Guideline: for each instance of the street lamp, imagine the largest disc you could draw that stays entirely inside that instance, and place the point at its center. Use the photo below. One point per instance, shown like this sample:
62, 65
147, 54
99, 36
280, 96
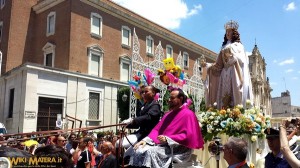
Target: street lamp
124, 97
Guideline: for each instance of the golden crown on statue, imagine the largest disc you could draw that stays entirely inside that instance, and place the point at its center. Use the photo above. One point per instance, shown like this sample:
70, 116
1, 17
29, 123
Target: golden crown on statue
231, 25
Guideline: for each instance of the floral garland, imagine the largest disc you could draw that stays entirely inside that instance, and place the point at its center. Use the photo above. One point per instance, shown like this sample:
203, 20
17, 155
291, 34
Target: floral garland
234, 122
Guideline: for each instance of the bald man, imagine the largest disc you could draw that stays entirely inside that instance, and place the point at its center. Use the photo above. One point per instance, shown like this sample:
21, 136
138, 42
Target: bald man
61, 141
108, 160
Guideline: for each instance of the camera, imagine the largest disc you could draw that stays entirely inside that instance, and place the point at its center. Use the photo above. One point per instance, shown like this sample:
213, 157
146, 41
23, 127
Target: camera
215, 146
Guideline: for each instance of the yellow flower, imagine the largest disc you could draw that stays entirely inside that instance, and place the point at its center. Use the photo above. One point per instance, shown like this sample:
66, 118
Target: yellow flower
223, 112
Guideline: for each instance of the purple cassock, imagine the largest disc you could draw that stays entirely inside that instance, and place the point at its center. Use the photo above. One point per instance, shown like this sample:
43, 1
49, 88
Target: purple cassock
181, 126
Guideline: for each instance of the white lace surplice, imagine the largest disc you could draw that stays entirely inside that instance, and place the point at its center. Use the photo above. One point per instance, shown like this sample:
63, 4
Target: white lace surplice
159, 156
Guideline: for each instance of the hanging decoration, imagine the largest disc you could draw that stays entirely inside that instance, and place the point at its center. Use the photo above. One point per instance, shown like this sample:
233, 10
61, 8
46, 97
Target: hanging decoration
173, 74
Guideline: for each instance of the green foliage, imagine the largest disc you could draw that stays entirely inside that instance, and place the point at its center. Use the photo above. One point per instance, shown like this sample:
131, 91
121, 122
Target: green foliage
202, 105
165, 101
123, 106
192, 106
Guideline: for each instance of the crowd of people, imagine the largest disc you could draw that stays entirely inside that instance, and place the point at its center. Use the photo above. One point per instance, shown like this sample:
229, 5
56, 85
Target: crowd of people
84, 150
166, 138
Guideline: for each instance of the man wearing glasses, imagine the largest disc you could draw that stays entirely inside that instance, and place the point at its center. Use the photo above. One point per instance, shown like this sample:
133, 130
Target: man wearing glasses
61, 142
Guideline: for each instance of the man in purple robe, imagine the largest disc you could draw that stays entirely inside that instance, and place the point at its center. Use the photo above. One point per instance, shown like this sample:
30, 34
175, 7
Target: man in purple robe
174, 136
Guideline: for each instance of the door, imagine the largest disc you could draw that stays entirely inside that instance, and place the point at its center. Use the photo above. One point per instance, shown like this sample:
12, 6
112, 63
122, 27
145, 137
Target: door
47, 113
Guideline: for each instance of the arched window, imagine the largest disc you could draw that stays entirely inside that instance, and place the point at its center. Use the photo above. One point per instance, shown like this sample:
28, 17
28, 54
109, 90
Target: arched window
49, 54
95, 55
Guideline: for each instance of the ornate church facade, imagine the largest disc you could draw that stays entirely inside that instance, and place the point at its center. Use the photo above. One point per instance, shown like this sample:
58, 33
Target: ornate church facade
260, 83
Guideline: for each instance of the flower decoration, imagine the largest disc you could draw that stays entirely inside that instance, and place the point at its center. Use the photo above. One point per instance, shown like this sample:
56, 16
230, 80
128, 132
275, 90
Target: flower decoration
233, 122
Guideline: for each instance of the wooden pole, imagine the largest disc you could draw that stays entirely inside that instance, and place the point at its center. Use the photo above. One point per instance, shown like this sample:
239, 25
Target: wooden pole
48, 119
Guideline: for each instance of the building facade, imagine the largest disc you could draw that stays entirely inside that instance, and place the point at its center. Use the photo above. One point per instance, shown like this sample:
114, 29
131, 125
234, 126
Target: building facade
260, 83
67, 58
282, 105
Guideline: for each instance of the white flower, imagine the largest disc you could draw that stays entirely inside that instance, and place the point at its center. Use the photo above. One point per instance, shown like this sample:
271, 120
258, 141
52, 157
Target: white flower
253, 138
216, 122
258, 119
239, 106
228, 110
215, 104
209, 128
211, 117
249, 111
248, 102
268, 117
237, 125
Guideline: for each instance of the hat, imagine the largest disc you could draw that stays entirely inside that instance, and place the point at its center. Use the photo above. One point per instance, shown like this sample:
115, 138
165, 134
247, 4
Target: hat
271, 132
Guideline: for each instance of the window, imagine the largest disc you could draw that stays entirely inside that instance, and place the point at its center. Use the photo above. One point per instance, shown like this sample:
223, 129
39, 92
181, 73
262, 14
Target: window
2, 3
51, 23
149, 46
96, 25
1, 30
185, 60
169, 51
250, 68
49, 59
95, 61
126, 37
125, 68
11, 103
94, 104
49, 54
95, 64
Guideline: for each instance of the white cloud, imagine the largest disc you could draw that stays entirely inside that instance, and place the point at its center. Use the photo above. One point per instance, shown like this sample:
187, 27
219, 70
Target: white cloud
275, 61
273, 83
167, 13
295, 78
195, 10
298, 71
290, 7
288, 61
289, 70
247, 52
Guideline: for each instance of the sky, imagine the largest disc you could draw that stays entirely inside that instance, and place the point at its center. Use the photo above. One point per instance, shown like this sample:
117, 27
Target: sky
274, 25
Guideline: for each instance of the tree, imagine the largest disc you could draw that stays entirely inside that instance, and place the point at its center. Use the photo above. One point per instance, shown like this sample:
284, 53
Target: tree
123, 105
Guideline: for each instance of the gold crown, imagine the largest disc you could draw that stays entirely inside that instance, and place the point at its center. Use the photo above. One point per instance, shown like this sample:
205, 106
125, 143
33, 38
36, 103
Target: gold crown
231, 25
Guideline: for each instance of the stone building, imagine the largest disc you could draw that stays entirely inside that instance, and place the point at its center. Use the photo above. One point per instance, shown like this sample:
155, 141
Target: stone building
66, 59
282, 106
260, 83
295, 111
